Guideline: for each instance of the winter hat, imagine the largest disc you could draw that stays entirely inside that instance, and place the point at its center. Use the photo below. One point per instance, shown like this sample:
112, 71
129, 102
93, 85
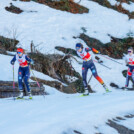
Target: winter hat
79, 45
130, 48
20, 50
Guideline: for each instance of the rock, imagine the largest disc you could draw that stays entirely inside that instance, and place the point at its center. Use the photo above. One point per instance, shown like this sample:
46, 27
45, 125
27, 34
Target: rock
115, 49
66, 50
64, 5
7, 44
7, 90
13, 9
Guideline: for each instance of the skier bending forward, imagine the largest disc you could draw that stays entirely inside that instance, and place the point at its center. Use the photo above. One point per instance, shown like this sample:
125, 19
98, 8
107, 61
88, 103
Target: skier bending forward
88, 64
129, 58
23, 72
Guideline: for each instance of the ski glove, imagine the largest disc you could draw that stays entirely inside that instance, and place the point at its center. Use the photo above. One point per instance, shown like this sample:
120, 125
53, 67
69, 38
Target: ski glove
127, 65
12, 62
98, 52
32, 62
87, 49
95, 51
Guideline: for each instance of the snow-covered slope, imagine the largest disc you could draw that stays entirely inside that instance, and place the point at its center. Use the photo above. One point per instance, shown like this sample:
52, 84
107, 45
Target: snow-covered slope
56, 28
59, 113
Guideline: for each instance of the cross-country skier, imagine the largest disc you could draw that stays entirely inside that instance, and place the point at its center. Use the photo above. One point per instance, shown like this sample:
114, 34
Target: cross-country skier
88, 64
23, 71
129, 59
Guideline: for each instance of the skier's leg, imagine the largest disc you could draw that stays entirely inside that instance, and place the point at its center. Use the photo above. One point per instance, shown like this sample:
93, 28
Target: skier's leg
133, 77
20, 84
84, 76
26, 78
20, 76
129, 74
95, 74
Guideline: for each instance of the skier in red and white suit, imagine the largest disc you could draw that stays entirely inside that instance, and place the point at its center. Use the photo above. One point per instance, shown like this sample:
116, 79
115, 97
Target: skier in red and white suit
88, 64
129, 58
23, 72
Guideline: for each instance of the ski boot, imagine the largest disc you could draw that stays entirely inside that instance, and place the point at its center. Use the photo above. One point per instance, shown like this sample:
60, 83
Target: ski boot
30, 95
125, 88
20, 96
86, 92
106, 88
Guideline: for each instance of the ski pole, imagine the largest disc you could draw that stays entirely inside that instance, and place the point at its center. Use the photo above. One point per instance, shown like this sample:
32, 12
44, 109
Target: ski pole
35, 78
90, 79
13, 78
13, 84
110, 59
102, 64
97, 52
37, 82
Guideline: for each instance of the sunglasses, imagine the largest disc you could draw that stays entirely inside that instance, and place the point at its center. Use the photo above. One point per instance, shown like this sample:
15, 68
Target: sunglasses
18, 52
129, 51
77, 48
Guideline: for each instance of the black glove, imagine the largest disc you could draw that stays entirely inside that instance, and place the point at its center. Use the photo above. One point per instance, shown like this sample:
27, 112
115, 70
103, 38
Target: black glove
12, 62
127, 65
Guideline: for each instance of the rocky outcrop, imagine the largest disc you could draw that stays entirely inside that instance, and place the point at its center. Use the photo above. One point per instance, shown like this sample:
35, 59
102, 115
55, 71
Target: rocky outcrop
54, 65
120, 128
7, 44
13, 9
66, 50
114, 49
7, 90
117, 7
58, 67
63, 5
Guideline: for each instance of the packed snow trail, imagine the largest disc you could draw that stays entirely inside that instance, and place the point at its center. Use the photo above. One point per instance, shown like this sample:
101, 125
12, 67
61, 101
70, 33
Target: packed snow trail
59, 113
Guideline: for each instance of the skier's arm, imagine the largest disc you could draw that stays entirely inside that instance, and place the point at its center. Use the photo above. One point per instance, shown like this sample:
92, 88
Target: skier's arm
88, 49
13, 60
92, 49
29, 60
126, 61
125, 58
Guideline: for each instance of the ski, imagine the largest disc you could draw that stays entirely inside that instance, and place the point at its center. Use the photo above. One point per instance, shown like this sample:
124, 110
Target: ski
20, 99
121, 88
107, 92
83, 95
125, 88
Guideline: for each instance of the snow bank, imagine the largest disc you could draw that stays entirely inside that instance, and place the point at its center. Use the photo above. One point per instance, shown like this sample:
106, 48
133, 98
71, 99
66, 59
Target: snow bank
56, 28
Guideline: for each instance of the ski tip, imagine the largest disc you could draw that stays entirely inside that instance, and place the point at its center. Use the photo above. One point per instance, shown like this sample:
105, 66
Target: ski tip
83, 95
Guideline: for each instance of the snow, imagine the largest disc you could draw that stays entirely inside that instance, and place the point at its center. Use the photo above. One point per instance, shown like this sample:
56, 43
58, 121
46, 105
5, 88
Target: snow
129, 7
129, 123
113, 2
105, 129
63, 113
60, 113
56, 28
